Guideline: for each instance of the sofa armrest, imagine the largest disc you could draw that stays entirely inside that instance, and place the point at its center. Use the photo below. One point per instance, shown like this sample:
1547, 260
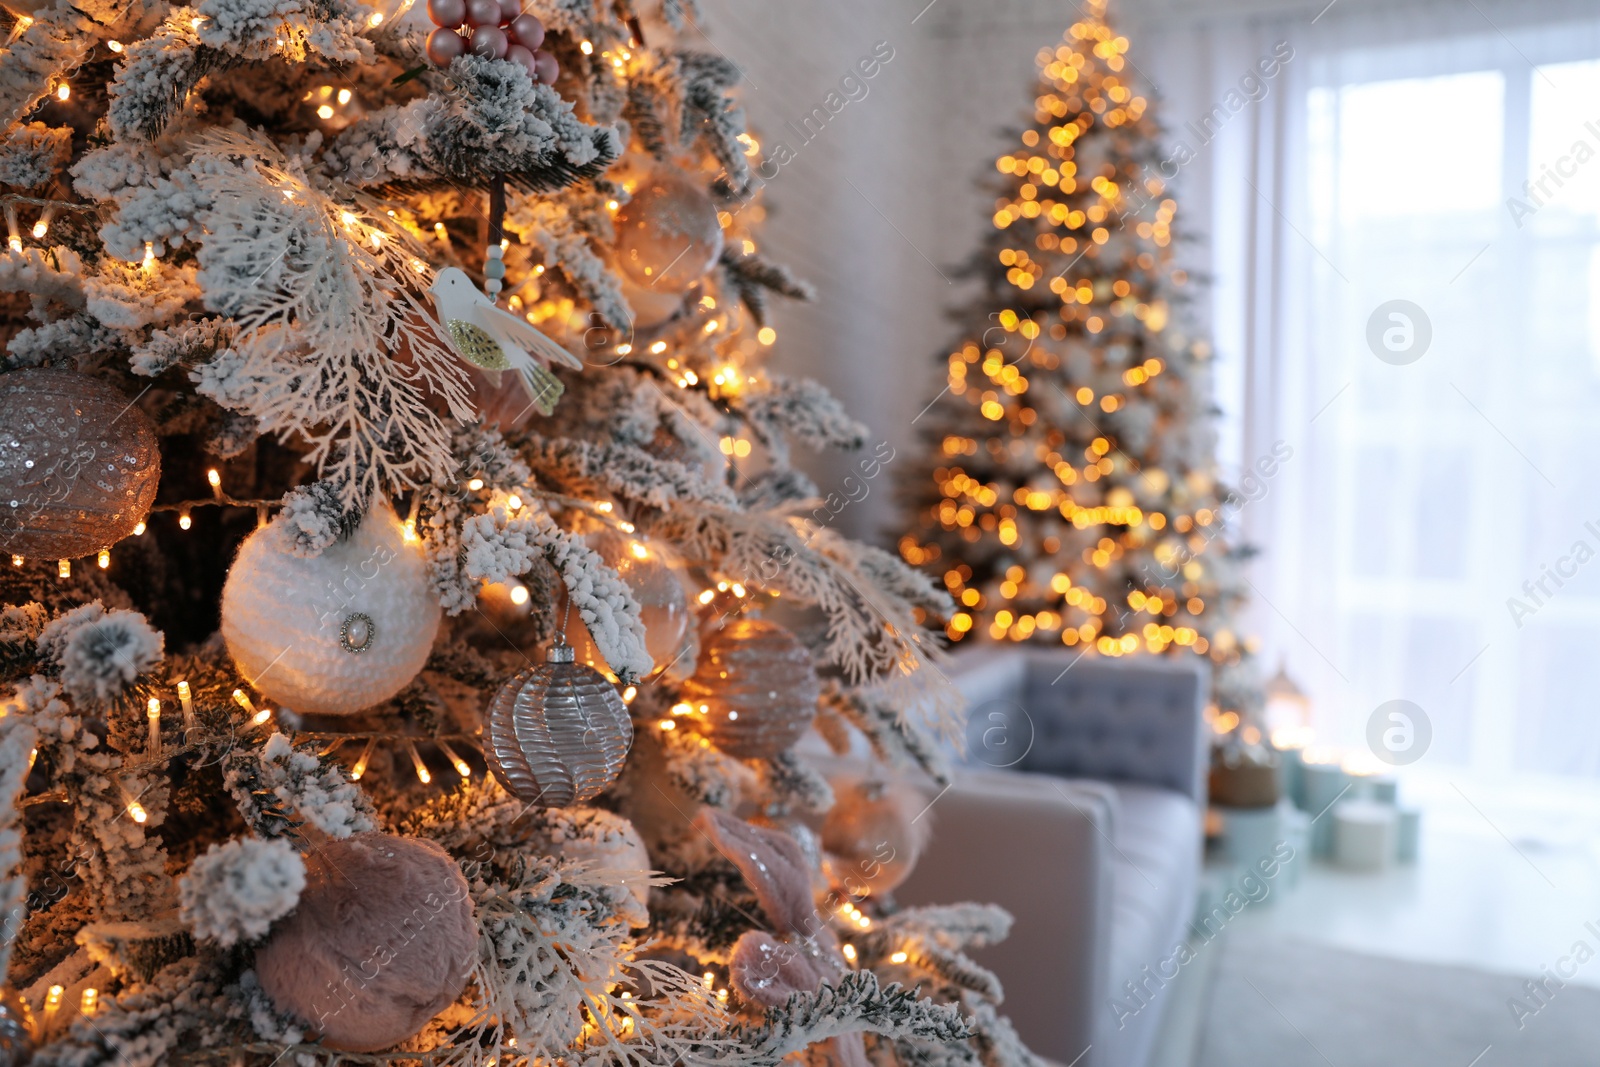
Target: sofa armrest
1038, 847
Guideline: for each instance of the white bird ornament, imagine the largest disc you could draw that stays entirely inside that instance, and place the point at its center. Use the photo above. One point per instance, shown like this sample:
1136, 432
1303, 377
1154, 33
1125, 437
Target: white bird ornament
497, 340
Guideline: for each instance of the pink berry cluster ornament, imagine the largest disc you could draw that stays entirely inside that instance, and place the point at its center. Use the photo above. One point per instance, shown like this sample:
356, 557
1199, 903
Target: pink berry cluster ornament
496, 29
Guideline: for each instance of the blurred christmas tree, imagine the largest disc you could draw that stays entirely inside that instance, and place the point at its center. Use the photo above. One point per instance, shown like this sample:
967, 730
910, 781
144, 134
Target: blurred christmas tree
410, 616
1071, 494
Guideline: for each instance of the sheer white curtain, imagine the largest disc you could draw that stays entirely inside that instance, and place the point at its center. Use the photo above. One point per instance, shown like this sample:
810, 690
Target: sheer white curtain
1435, 536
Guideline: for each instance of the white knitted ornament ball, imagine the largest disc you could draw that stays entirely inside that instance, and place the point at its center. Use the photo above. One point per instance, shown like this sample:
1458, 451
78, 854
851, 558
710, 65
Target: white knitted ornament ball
334, 633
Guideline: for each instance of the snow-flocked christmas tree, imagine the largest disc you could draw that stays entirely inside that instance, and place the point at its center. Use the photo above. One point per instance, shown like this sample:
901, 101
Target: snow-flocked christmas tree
405, 563
1069, 494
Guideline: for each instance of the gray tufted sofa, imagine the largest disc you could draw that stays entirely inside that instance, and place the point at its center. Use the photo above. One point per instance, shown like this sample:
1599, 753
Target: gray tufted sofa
1080, 811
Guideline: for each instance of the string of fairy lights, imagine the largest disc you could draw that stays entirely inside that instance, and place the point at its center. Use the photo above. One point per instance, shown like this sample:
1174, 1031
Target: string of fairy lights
1062, 205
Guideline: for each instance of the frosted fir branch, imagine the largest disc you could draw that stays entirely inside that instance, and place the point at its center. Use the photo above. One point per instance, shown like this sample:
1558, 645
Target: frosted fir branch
122, 168
551, 955
186, 344
65, 342
56, 43
276, 782
485, 453
776, 488
20, 625
127, 296
599, 596
955, 926
680, 13
869, 635
950, 971
324, 298
894, 740
805, 410
136, 950
122, 862
32, 155
157, 74
50, 279
923, 1054
629, 405
231, 435
568, 250
794, 784
995, 1039
753, 276
495, 121
627, 472
236, 890
855, 1004
167, 213
98, 653
18, 740
185, 1008
705, 774
900, 580
314, 516
710, 113
292, 29
650, 108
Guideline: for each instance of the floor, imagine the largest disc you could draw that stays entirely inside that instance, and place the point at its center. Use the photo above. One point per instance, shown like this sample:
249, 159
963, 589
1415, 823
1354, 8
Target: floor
1503, 883
1506, 881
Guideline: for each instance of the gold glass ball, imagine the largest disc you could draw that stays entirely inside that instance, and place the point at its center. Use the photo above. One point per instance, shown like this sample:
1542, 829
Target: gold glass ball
757, 687
668, 236
78, 464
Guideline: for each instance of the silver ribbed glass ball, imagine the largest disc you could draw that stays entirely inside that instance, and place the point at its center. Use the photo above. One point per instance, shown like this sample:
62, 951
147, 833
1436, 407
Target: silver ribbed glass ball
557, 733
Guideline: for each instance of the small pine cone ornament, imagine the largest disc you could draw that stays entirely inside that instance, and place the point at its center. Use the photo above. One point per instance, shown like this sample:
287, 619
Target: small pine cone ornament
335, 633
78, 464
755, 687
557, 733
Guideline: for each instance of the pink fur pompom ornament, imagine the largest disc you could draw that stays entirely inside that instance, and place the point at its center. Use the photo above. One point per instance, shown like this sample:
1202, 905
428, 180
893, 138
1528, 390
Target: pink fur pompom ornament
334, 633
383, 940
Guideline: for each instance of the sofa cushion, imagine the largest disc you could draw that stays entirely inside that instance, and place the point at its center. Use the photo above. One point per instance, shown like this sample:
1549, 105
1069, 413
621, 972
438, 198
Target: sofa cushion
1155, 875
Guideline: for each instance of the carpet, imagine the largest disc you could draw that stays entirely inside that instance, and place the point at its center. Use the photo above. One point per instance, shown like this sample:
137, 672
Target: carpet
1292, 1003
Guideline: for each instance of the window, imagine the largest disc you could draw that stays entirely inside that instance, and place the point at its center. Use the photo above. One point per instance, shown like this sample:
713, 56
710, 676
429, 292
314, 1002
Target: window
1440, 541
